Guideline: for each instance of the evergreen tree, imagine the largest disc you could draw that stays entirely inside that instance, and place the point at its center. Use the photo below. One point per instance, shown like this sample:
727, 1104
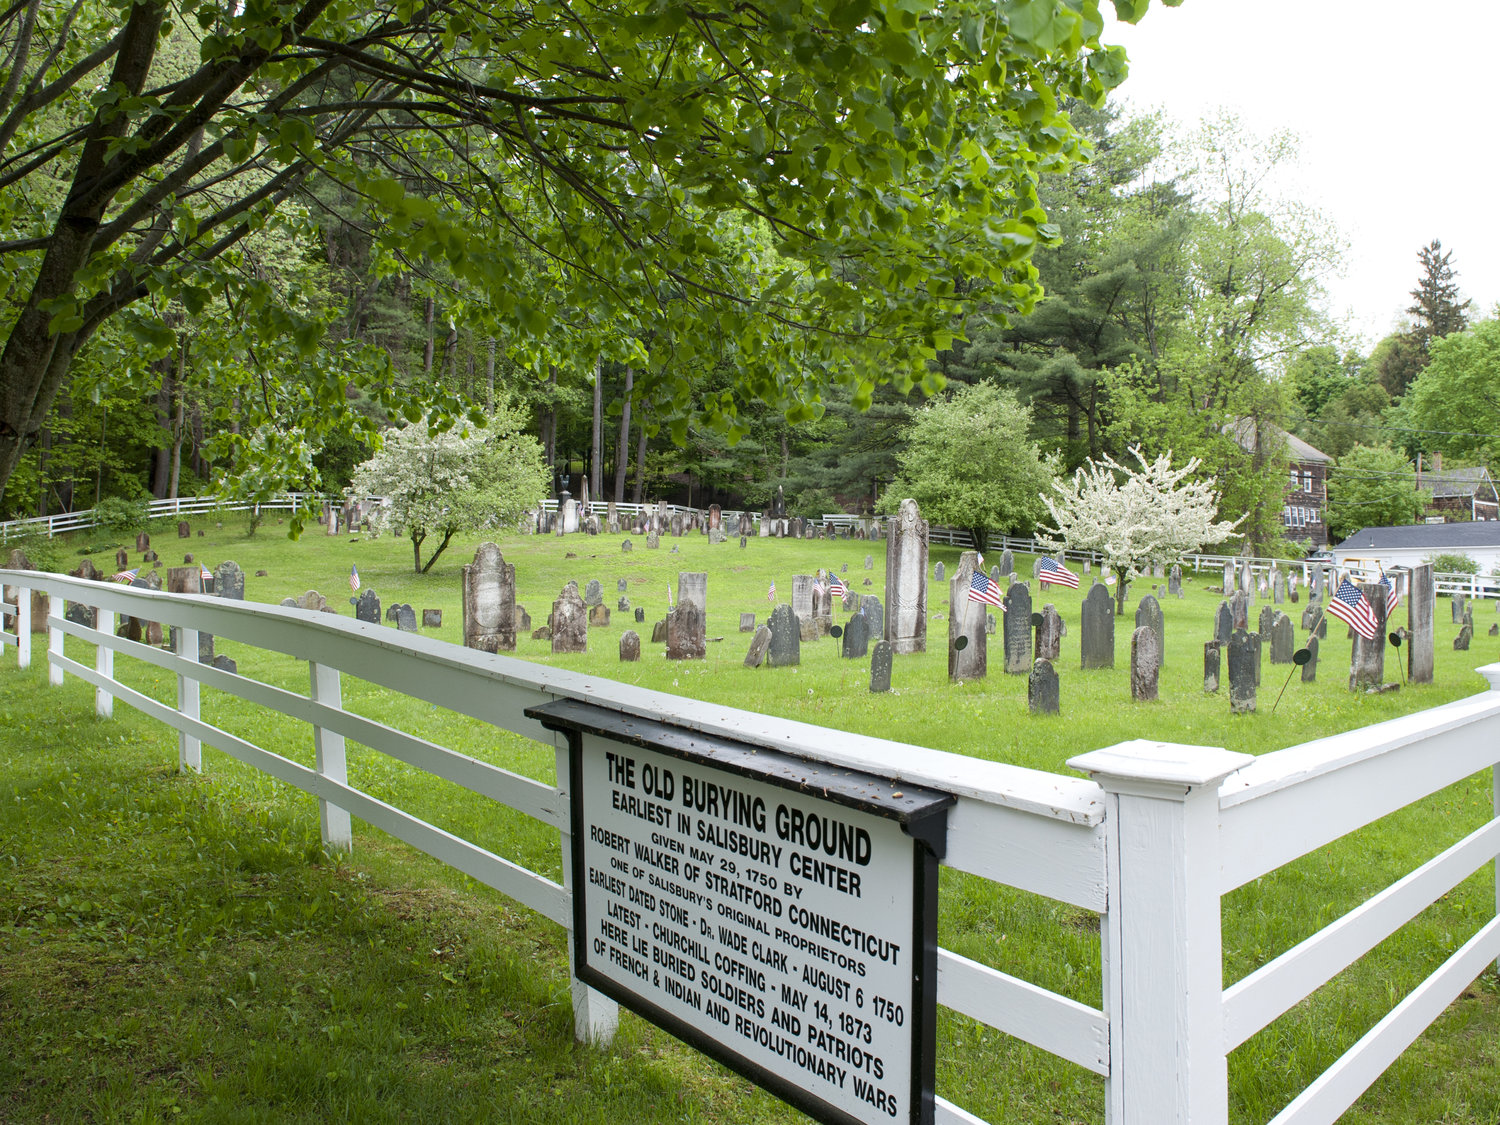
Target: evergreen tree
1436, 312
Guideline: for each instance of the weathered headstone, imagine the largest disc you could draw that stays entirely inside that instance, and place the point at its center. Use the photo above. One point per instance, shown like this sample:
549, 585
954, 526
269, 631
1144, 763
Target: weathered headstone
659, 632
1421, 603
1495, 629
626, 547
1007, 563
622, 605
1049, 634
1174, 581
183, 530
405, 617
786, 638
432, 619
822, 609
1310, 669
88, 616
1015, 629
142, 542
1097, 643
1278, 585
598, 617
692, 586
874, 613
1211, 665
906, 580
489, 602
746, 527
1223, 623
1266, 623
1311, 614
1239, 602
1283, 640
593, 593
1148, 613
1145, 664
938, 573
747, 623
122, 559
1043, 691
1457, 604
967, 644
802, 604
759, 643
640, 615
630, 645
880, 666
687, 637
1244, 656
1465, 635
653, 538
367, 606
1367, 657
869, 562
569, 622
856, 639
229, 581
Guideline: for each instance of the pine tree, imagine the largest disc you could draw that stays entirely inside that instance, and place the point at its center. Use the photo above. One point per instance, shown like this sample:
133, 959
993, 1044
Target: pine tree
1437, 311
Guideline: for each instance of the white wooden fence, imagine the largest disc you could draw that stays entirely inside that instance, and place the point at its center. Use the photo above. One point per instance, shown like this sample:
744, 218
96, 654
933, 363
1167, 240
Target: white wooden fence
1151, 844
64, 522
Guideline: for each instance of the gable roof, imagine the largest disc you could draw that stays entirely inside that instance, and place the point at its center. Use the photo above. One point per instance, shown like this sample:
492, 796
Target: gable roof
1458, 482
1425, 536
1242, 430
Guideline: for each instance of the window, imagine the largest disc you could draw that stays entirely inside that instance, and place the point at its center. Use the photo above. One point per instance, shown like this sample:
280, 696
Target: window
1307, 480
1294, 478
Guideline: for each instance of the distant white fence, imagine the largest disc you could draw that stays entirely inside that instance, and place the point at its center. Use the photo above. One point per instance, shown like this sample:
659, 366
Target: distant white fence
1151, 844
64, 522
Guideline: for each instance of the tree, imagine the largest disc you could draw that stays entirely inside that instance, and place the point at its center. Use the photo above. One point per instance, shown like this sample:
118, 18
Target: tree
1134, 517
1437, 311
1457, 396
969, 463
1372, 486
562, 165
444, 482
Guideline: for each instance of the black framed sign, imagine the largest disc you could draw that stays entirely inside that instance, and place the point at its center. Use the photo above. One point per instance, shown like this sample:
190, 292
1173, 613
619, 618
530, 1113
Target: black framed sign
777, 913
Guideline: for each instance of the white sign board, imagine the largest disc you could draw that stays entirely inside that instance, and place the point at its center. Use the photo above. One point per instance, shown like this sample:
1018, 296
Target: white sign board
777, 914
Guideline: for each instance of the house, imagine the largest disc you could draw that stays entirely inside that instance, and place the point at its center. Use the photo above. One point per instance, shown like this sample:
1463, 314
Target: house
1304, 511
1459, 494
1372, 548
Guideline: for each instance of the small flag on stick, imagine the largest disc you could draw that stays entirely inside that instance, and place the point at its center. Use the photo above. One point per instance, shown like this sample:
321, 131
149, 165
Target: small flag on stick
836, 585
1052, 571
771, 592
1392, 599
126, 576
354, 578
981, 589
1350, 607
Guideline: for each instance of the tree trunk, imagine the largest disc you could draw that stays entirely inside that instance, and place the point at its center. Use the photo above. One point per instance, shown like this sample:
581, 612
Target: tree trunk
596, 449
161, 458
622, 451
549, 429
489, 377
178, 426
638, 493
427, 353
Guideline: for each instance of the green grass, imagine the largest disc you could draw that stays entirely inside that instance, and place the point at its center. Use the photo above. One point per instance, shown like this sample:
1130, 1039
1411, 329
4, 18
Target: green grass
180, 947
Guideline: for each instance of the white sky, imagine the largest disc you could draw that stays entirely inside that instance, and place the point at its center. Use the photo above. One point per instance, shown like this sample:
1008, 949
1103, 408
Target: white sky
1395, 104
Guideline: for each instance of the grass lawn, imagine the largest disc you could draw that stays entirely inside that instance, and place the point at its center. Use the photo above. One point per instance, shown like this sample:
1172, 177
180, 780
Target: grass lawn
180, 947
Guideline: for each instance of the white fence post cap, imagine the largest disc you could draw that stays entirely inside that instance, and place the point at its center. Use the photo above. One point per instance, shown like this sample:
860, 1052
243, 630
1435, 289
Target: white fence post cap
1160, 769
1491, 672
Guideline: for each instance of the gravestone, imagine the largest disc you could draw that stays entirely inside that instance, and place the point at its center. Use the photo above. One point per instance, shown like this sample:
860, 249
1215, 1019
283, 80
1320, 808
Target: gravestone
432, 619
593, 593
1007, 563
747, 623
1148, 614
989, 625
786, 638
612, 519
968, 660
938, 573
1310, 669
229, 581
598, 617
874, 613
569, 511
747, 526
569, 622
906, 580
640, 615
88, 616
659, 632
1015, 629
797, 527
869, 562
1367, 658
1421, 604
489, 602
1097, 644
758, 646
1311, 613
1211, 665
1267, 622
523, 619
1043, 691
367, 606
622, 605
406, 617
142, 542
1278, 585
802, 604
130, 629
626, 547
764, 531
1049, 634
856, 639
1239, 602
187, 558
1457, 605
1465, 635
743, 542
1174, 582
1229, 579
1283, 641
1145, 664
90, 573
122, 559
622, 585
686, 631
880, 666
630, 645
1495, 630
1223, 623
653, 539
183, 530
692, 586
1244, 656
997, 579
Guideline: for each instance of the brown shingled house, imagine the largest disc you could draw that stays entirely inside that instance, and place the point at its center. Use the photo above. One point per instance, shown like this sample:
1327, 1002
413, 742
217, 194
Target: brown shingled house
1458, 494
1304, 513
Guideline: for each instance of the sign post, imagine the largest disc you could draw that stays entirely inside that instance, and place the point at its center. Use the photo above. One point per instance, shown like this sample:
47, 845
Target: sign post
777, 913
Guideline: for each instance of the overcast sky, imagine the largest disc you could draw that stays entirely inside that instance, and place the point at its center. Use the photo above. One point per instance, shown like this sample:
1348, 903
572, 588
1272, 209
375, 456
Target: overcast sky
1395, 104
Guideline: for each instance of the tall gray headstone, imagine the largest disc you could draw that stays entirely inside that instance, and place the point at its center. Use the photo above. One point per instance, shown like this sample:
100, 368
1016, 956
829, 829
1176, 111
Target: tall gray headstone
1223, 623
880, 666
1266, 623
1244, 650
906, 580
593, 593
489, 601
405, 617
692, 586
687, 637
938, 573
855, 643
1148, 613
1421, 604
1007, 563
1015, 630
1211, 665
1458, 603
1174, 581
1049, 634
1283, 640
1310, 669
802, 597
1043, 692
1278, 585
1239, 602
229, 581
967, 660
1367, 657
874, 613
1145, 664
786, 638
570, 622
1097, 643
758, 646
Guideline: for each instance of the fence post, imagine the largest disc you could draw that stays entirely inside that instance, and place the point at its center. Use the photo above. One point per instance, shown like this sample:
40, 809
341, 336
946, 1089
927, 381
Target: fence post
55, 609
1163, 954
327, 689
595, 1015
189, 749
23, 627
104, 662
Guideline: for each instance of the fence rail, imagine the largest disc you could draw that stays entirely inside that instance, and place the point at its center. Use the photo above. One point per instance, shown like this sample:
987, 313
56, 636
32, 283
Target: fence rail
1151, 843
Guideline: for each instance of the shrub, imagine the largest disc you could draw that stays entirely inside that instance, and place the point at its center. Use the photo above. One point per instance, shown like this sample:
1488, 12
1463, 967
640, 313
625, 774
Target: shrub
116, 514
1452, 564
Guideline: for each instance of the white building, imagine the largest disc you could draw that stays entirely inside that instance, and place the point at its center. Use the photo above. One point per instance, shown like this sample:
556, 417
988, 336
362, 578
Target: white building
1387, 547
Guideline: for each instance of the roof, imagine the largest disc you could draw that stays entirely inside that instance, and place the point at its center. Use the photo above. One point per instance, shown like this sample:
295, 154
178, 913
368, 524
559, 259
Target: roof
1243, 432
1458, 482
1425, 536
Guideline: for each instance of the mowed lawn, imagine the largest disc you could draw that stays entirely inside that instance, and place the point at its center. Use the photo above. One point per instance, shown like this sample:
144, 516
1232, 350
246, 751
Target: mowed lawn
181, 947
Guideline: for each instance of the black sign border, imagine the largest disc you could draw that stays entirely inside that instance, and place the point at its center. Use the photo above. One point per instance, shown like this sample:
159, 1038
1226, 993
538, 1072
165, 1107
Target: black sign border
921, 813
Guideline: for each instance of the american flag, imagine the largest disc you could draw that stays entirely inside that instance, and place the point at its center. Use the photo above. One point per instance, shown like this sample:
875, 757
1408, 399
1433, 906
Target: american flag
771, 592
836, 585
1350, 607
204, 573
1054, 572
1392, 599
981, 589
126, 576
354, 578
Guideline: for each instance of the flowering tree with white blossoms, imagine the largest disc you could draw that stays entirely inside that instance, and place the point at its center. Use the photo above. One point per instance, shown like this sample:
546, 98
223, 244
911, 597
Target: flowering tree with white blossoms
1135, 518
449, 482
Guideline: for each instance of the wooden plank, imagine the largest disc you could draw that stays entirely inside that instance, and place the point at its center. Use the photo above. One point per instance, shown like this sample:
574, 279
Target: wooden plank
1252, 1003
1338, 1087
1054, 1023
946, 1113
1057, 858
